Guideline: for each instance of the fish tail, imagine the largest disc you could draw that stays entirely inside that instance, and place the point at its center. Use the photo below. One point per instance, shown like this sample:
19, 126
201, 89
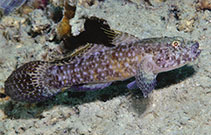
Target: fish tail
28, 84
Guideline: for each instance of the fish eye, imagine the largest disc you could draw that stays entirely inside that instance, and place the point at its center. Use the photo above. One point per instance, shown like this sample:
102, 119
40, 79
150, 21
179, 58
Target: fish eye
176, 43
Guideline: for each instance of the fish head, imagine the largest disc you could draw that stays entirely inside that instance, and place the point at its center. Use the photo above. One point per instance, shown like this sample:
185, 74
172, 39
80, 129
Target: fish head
169, 53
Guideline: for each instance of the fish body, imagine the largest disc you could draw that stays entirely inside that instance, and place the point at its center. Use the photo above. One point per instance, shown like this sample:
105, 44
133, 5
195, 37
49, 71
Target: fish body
99, 66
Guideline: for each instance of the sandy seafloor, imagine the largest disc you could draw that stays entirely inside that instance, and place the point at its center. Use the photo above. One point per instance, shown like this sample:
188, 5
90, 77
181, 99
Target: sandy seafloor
180, 105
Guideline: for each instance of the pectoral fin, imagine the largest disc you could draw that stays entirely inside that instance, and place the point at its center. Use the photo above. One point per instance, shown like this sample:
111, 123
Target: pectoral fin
146, 82
145, 78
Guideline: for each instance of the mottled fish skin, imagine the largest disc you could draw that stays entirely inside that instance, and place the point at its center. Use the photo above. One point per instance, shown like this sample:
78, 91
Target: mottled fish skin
144, 59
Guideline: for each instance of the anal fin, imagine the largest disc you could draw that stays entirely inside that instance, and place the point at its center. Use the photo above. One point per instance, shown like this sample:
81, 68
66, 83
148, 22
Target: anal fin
90, 87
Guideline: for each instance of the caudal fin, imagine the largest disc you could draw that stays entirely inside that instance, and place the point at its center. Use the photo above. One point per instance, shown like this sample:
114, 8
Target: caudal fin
27, 83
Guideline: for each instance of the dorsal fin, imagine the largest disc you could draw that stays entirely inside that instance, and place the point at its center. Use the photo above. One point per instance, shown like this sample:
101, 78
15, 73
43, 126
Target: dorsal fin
120, 38
117, 38
85, 50
81, 50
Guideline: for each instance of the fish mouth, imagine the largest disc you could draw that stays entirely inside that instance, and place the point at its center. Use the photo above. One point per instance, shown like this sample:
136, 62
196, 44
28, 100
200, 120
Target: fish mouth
195, 51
